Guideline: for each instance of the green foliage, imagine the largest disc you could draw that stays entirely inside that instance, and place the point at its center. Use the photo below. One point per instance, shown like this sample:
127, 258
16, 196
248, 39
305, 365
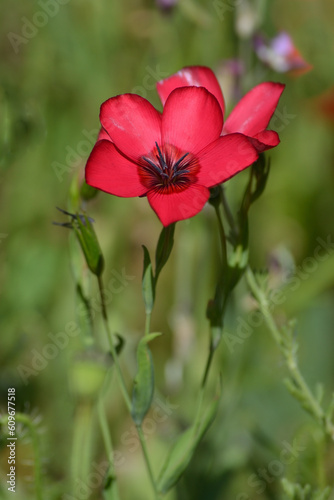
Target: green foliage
298, 492
143, 388
183, 450
51, 89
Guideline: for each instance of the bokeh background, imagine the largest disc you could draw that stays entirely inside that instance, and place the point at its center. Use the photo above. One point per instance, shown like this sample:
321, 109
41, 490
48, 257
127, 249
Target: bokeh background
55, 71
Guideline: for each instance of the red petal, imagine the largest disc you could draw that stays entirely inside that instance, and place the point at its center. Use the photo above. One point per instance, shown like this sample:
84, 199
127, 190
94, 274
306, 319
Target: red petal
265, 140
224, 158
253, 112
180, 205
108, 170
196, 76
191, 119
103, 135
132, 123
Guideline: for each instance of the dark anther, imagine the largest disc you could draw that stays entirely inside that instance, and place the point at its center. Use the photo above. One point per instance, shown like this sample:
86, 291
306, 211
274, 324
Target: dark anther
150, 162
181, 172
179, 161
162, 160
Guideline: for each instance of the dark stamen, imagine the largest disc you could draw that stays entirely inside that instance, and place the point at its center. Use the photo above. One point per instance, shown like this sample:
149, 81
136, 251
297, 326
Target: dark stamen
162, 160
179, 161
156, 168
176, 174
150, 162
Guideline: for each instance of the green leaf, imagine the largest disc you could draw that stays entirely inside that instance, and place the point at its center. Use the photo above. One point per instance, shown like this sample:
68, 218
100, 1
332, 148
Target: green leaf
89, 244
143, 388
183, 450
164, 248
148, 282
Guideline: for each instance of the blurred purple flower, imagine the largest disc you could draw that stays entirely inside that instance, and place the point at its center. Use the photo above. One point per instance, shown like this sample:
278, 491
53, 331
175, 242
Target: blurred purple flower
166, 5
280, 54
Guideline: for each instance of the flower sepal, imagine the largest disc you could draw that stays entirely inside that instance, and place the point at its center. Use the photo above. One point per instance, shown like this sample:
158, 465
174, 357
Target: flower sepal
90, 246
86, 236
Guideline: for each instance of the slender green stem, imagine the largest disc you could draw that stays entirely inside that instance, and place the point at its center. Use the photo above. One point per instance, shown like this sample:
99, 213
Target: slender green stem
112, 348
220, 296
107, 442
104, 425
228, 213
264, 306
222, 236
82, 441
105, 429
312, 403
147, 462
147, 323
208, 365
86, 322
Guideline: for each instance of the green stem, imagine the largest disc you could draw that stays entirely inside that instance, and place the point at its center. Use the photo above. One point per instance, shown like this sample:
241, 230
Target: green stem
213, 346
222, 236
228, 213
147, 323
147, 462
264, 306
208, 365
112, 348
107, 444
87, 321
221, 294
82, 440
291, 362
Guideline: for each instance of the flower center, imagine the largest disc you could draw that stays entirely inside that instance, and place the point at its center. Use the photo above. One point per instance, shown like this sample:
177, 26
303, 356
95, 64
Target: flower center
168, 169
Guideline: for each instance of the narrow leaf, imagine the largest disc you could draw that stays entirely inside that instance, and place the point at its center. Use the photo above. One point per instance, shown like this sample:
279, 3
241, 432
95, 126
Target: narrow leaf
183, 450
164, 248
143, 388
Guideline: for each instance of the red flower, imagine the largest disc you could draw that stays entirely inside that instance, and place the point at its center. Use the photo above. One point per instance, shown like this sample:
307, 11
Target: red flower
172, 157
250, 116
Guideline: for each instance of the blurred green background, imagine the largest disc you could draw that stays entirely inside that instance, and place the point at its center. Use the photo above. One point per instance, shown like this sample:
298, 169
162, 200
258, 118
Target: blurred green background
53, 79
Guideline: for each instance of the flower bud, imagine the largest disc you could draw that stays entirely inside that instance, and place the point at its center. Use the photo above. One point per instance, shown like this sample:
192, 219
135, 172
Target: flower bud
89, 243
